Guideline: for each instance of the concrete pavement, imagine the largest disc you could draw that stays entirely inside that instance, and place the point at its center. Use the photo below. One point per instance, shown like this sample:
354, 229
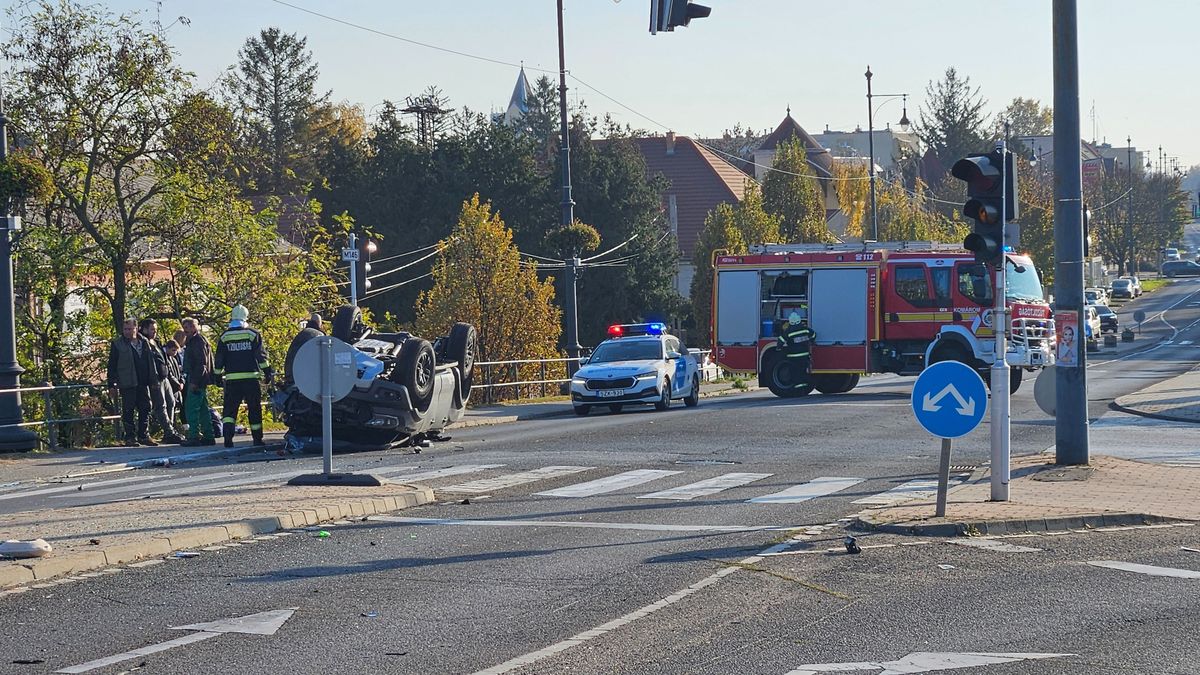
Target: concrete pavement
1176, 399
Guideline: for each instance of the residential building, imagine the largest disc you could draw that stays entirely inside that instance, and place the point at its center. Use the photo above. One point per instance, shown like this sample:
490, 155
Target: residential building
891, 146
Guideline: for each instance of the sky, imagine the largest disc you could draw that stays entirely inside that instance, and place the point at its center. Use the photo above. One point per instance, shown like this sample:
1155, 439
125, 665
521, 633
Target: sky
748, 62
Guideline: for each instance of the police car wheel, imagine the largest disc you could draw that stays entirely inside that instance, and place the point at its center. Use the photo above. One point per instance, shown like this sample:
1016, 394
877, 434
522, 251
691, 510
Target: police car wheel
415, 370
463, 345
583, 410
693, 398
664, 399
347, 324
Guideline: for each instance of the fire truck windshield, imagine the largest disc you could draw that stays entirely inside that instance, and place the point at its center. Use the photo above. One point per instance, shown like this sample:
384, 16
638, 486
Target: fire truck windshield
1022, 283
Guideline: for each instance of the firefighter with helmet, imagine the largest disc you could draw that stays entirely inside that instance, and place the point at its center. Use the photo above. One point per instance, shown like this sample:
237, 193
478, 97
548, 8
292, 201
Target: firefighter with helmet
241, 360
796, 344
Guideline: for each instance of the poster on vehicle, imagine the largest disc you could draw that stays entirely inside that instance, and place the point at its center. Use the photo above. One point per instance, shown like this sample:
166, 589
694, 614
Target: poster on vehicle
1067, 322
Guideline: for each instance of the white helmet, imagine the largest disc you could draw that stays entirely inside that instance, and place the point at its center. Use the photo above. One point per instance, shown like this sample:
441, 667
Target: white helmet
794, 317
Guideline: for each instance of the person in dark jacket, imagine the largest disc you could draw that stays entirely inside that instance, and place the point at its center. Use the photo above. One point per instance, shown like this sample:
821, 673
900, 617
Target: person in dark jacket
197, 376
162, 398
174, 379
796, 344
131, 370
241, 361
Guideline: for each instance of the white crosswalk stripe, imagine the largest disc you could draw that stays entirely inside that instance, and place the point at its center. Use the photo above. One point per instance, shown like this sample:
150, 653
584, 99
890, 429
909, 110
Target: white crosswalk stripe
513, 479
610, 484
707, 487
160, 481
440, 473
74, 487
817, 487
921, 488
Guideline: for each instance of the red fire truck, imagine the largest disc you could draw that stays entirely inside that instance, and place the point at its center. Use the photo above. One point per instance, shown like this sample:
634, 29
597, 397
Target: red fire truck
878, 308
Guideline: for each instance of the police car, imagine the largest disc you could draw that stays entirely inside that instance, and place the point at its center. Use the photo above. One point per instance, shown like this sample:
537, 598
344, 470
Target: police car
639, 363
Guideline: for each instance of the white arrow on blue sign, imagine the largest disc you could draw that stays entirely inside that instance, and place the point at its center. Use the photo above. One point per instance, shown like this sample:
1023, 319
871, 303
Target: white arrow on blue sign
949, 399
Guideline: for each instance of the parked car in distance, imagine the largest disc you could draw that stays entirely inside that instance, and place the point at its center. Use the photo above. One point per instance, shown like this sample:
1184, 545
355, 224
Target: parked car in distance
1095, 296
1122, 288
1170, 254
1180, 268
1092, 326
705, 366
1108, 318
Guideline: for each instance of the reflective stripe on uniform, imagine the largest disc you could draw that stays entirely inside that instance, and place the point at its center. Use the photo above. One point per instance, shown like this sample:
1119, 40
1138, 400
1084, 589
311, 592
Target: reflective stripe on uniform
241, 376
255, 427
235, 335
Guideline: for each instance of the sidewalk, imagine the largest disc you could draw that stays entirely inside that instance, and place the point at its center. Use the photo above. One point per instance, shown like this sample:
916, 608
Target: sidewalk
1176, 399
1044, 496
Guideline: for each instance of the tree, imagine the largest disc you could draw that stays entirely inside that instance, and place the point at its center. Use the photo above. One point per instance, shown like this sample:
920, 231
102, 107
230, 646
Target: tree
854, 195
575, 239
752, 220
1025, 117
790, 192
720, 233
275, 90
479, 278
908, 215
954, 122
96, 96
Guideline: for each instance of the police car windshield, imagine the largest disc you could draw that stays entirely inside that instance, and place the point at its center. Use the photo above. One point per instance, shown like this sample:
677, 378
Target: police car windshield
627, 350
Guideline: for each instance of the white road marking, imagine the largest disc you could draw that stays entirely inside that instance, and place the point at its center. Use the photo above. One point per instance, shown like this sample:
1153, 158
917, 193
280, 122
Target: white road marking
442, 473
133, 654
1146, 569
924, 662
610, 484
513, 479
1185, 342
220, 485
74, 487
993, 545
921, 488
598, 631
707, 487
817, 487
161, 482
648, 527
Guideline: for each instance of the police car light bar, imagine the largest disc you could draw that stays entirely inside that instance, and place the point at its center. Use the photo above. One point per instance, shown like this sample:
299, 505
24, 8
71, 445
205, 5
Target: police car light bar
631, 329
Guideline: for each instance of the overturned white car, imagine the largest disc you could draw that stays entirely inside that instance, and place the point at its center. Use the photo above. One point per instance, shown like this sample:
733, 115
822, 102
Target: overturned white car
407, 391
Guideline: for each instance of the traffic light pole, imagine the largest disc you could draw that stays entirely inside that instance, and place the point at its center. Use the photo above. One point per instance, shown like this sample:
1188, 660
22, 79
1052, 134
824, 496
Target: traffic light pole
1071, 424
352, 245
570, 311
1001, 422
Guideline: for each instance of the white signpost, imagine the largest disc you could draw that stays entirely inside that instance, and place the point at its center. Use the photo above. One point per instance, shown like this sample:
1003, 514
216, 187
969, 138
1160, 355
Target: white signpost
326, 372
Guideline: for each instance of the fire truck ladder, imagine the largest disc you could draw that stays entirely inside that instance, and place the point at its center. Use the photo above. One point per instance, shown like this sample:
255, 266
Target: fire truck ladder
856, 247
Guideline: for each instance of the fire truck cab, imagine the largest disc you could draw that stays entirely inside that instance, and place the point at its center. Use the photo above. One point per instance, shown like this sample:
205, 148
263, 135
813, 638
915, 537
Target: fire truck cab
879, 308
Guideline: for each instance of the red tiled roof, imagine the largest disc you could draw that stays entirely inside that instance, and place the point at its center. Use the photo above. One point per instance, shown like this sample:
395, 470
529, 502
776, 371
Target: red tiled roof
700, 180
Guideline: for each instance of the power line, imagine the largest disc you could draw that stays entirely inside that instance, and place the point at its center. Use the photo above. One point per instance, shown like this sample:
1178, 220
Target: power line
385, 289
407, 253
405, 265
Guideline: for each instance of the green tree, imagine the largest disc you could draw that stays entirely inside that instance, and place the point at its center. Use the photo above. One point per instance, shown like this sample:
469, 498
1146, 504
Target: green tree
274, 87
954, 123
720, 233
854, 195
1025, 117
908, 215
752, 220
479, 278
790, 192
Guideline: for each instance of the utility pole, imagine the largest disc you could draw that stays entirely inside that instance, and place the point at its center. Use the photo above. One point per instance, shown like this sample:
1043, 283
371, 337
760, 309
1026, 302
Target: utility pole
570, 312
1129, 211
12, 437
1071, 427
1001, 423
871, 150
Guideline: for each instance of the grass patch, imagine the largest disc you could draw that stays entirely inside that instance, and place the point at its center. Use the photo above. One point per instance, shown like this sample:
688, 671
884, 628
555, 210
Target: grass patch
1149, 285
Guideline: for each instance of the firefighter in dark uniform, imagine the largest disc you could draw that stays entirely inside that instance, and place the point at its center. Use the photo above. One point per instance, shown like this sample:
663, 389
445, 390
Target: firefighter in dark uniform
241, 360
796, 344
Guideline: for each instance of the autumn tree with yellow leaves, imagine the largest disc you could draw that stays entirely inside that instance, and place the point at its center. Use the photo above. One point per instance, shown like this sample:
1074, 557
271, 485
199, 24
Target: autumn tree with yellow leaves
479, 278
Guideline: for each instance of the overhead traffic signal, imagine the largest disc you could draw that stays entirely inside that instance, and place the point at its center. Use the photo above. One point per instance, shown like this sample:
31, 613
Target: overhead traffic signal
989, 191
665, 15
366, 248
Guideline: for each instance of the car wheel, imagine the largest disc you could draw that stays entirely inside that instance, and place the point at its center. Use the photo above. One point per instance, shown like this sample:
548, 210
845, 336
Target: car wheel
582, 410
463, 346
415, 370
664, 399
615, 407
294, 348
693, 398
347, 324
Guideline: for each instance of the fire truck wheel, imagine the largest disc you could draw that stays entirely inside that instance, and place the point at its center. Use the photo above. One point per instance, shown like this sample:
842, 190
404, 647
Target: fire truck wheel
950, 352
787, 381
664, 400
693, 398
1014, 379
839, 383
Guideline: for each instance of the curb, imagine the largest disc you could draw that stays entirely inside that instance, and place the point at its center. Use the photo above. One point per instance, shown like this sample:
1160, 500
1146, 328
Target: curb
74, 562
1157, 416
1010, 526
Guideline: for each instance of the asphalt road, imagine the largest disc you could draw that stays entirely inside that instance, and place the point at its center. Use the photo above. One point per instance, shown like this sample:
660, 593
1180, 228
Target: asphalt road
646, 581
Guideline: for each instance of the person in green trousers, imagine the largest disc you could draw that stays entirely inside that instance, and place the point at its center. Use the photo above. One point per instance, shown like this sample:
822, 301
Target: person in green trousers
197, 375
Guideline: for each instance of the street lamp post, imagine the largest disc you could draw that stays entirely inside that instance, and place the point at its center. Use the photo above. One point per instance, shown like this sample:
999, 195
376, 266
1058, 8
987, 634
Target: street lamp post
12, 437
871, 143
1129, 210
570, 309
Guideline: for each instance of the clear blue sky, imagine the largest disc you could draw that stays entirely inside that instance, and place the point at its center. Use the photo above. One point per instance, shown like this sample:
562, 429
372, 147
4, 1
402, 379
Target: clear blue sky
745, 63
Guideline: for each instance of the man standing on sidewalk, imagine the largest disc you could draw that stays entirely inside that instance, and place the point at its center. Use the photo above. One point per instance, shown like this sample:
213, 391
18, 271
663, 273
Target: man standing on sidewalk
131, 369
197, 375
241, 361
162, 397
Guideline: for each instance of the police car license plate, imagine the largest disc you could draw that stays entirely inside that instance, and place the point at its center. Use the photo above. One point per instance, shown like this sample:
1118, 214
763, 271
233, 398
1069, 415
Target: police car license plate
611, 393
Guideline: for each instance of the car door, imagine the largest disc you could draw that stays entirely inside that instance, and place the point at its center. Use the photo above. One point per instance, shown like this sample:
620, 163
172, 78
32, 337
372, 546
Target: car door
679, 369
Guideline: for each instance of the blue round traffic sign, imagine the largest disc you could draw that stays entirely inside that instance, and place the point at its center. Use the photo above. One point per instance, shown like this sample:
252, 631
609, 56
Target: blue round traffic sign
949, 399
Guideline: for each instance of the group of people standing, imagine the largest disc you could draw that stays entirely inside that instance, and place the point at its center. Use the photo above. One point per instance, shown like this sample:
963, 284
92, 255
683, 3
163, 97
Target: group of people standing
156, 379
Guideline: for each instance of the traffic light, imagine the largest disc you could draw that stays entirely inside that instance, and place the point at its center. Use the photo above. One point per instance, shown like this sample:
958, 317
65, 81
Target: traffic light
366, 247
986, 188
665, 15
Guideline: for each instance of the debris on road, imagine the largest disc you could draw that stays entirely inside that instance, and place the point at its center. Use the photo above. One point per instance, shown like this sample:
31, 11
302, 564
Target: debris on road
944, 566
852, 545
370, 615
322, 534
1191, 550
16, 548
187, 554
